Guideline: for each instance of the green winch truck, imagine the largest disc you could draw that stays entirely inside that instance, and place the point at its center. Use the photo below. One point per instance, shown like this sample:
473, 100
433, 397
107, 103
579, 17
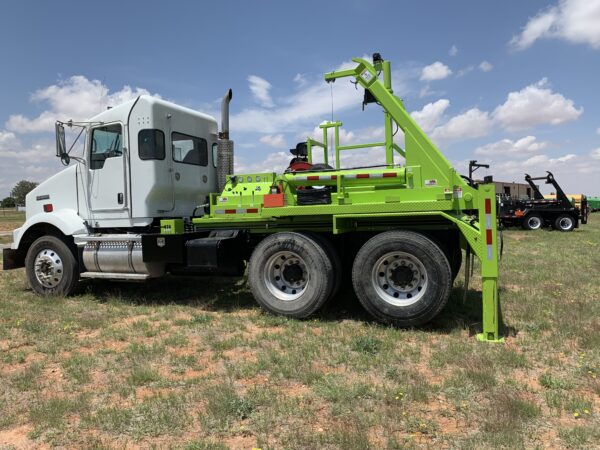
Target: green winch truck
155, 194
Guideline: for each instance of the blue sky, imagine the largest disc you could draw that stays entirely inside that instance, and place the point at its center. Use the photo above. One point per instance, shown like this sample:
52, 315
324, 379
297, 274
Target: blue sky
512, 83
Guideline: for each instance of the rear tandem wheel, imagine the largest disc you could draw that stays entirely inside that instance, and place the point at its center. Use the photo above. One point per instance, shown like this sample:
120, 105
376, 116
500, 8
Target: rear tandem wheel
402, 278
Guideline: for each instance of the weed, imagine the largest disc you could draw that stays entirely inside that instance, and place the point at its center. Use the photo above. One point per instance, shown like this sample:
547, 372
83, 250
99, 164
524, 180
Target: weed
78, 367
28, 378
51, 413
141, 375
579, 437
366, 344
204, 445
225, 406
509, 411
161, 415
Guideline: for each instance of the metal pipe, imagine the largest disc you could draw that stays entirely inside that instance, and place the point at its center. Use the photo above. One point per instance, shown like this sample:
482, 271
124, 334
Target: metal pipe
224, 134
224, 144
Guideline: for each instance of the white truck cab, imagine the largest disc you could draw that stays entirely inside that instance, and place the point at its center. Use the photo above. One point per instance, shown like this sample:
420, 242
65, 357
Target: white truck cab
144, 160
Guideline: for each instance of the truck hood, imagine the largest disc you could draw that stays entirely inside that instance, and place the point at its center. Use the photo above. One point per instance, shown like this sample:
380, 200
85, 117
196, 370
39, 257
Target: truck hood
60, 191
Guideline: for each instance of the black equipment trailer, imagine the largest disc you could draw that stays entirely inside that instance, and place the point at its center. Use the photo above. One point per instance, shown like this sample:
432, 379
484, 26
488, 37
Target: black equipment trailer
535, 213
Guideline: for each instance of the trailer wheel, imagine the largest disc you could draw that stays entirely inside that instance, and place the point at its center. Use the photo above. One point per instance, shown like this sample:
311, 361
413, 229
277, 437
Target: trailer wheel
402, 278
290, 274
51, 267
564, 222
533, 222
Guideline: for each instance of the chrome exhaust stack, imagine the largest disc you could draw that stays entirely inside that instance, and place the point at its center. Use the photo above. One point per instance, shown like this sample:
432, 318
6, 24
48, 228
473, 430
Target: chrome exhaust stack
224, 145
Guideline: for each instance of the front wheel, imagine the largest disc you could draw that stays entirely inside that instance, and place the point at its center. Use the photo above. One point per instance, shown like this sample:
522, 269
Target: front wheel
564, 223
402, 278
51, 267
533, 222
291, 274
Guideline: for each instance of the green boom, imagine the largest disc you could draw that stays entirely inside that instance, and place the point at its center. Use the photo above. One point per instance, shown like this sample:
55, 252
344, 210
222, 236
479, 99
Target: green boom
423, 193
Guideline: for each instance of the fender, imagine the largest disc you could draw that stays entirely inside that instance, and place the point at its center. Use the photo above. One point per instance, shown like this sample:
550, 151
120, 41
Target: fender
65, 220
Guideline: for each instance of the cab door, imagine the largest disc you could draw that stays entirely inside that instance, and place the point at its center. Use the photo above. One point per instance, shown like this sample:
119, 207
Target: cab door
107, 168
191, 171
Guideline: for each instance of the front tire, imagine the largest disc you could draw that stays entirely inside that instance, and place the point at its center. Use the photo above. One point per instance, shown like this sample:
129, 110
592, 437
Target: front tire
291, 275
51, 267
402, 278
533, 222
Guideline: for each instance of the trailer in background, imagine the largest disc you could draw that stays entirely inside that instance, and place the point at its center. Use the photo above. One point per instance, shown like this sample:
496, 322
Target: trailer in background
594, 203
532, 214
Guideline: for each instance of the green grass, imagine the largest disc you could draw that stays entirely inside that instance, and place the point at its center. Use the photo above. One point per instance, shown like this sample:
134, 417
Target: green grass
195, 364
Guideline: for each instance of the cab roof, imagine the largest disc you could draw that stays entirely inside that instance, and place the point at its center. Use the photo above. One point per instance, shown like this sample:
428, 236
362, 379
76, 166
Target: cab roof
121, 112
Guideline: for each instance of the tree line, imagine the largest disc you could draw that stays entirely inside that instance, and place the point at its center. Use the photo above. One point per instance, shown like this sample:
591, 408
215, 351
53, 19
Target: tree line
18, 194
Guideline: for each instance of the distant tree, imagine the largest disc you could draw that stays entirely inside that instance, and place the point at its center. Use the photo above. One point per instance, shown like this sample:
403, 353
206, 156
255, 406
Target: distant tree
21, 189
8, 202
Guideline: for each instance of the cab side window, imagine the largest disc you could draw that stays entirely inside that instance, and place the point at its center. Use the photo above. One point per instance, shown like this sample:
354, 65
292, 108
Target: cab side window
151, 144
107, 142
189, 149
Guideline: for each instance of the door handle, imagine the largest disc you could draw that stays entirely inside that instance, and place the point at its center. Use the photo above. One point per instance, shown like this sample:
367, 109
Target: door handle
120, 198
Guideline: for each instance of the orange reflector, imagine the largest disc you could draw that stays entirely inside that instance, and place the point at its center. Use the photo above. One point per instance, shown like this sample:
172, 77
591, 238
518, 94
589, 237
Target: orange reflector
48, 207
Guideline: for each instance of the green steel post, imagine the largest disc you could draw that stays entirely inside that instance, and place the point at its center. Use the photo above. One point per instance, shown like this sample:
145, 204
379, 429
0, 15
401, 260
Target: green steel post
326, 146
309, 150
389, 137
489, 264
336, 131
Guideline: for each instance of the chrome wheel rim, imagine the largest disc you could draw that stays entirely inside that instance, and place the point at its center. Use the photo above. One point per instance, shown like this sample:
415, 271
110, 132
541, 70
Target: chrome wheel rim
534, 223
48, 268
286, 275
399, 278
565, 223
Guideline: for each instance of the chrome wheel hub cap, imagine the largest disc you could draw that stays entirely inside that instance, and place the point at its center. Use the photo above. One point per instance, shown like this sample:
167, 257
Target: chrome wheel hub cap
565, 223
48, 268
286, 275
534, 223
399, 278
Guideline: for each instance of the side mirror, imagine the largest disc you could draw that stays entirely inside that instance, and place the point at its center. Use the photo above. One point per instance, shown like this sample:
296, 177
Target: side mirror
61, 147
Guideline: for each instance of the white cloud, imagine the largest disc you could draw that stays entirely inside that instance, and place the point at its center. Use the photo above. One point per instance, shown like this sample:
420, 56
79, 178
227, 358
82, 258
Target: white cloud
431, 114
508, 147
576, 21
300, 79
534, 105
462, 72
597, 130
485, 66
453, 50
76, 98
7, 140
273, 140
260, 89
295, 111
470, 124
435, 71
274, 162
34, 162
537, 163
595, 153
